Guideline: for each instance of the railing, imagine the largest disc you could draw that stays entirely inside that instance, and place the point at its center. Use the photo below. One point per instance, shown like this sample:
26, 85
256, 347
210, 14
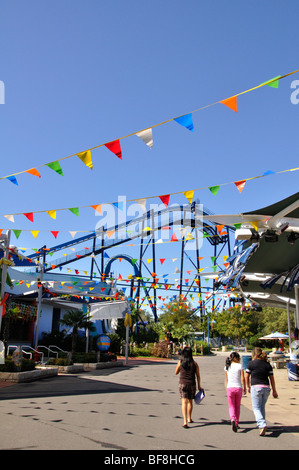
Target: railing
26, 352
50, 350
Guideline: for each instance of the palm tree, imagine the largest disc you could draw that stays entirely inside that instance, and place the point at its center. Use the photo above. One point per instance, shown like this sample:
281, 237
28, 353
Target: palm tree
77, 319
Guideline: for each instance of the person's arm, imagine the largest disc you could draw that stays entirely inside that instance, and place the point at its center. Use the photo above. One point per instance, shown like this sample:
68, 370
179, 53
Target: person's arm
247, 381
178, 367
226, 378
272, 380
197, 375
243, 381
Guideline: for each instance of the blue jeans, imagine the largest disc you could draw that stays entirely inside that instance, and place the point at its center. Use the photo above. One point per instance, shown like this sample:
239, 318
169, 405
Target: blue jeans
259, 397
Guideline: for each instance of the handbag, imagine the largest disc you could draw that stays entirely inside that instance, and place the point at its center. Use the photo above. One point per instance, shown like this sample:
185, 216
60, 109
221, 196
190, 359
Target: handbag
199, 396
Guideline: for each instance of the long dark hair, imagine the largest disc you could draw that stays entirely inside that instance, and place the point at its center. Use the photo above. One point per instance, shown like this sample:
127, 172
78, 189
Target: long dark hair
229, 360
186, 358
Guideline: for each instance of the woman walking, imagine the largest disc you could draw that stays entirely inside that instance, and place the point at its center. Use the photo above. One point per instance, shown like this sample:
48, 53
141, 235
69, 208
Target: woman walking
235, 386
260, 371
188, 370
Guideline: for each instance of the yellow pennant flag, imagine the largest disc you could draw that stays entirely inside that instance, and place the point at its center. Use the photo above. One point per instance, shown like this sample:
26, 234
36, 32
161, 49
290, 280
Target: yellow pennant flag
85, 157
52, 214
255, 224
189, 195
34, 233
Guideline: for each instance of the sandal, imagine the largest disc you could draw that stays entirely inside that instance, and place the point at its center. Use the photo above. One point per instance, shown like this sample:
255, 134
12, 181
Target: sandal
185, 426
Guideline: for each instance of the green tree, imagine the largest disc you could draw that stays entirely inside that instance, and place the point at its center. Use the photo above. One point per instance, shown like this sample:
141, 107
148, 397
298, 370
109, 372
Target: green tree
233, 323
179, 312
77, 319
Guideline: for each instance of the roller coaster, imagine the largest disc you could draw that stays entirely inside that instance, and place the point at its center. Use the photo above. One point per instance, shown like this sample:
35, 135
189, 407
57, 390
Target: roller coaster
146, 228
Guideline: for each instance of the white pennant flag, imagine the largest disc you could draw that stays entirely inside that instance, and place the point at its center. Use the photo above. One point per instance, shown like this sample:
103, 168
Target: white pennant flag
9, 217
147, 137
142, 203
73, 234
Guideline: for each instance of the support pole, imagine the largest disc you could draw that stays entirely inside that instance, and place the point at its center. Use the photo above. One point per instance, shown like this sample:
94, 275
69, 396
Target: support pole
289, 323
127, 344
4, 271
297, 306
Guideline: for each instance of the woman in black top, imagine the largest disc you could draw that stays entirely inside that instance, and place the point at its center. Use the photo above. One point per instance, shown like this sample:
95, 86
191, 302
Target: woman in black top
188, 370
260, 371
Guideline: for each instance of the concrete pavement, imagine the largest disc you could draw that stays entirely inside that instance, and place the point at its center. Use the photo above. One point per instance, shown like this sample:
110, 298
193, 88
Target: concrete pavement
137, 407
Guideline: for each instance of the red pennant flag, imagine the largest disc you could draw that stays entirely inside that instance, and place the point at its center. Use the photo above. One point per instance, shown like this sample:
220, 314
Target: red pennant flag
165, 199
76, 271
55, 233
240, 185
231, 103
162, 260
115, 148
29, 216
174, 238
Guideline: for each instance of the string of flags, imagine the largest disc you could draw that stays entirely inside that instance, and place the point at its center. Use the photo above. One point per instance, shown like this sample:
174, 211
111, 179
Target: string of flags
146, 135
165, 199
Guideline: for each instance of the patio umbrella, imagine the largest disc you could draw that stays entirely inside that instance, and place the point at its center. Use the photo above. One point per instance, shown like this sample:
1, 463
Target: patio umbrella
275, 335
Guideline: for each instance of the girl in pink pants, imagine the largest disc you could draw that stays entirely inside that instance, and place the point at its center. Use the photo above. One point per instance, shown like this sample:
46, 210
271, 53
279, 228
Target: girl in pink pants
235, 383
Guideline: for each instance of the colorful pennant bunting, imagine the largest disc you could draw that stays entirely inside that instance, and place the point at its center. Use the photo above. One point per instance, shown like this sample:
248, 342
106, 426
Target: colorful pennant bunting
85, 157
115, 148
147, 137
186, 121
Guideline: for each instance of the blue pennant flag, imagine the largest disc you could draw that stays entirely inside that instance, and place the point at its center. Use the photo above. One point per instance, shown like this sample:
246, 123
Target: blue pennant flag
186, 121
13, 179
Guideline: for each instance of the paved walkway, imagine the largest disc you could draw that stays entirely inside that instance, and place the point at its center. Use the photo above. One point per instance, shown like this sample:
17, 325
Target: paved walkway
138, 407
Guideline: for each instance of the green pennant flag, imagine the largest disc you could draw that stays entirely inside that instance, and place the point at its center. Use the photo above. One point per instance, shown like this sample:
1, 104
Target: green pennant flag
237, 226
55, 166
214, 268
274, 82
205, 234
133, 261
213, 258
17, 233
214, 189
74, 210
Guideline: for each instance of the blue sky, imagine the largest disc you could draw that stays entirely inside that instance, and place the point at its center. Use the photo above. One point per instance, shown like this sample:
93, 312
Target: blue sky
79, 74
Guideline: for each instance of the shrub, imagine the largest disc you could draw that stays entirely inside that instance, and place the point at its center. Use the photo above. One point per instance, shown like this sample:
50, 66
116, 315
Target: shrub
160, 350
27, 364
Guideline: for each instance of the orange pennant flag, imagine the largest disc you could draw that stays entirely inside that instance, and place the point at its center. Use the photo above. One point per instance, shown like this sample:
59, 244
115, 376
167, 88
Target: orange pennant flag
231, 103
240, 185
98, 208
174, 238
34, 172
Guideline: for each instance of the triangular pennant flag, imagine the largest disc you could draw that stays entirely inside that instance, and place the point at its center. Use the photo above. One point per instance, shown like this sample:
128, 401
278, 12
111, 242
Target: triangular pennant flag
189, 195
33, 171
29, 216
274, 82
214, 189
189, 237
119, 205
115, 148
72, 234
97, 208
237, 226
174, 238
186, 121
55, 233
240, 185
230, 103
162, 260
85, 157
142, 203
110, 233
35, 233
17, 233
74, 210
52, 214
9, 217
13, 179
147, 137
55, 166
255, 225
149, 260
165, 199
133, 261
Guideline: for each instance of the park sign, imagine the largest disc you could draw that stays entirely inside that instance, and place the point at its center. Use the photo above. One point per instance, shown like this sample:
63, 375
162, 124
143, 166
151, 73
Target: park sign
103, 343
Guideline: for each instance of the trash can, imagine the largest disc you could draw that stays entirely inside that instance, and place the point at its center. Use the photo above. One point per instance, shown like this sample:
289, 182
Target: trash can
245, 360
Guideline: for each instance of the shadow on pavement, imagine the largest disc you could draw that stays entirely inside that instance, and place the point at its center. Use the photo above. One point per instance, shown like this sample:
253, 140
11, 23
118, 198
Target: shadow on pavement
64, 386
